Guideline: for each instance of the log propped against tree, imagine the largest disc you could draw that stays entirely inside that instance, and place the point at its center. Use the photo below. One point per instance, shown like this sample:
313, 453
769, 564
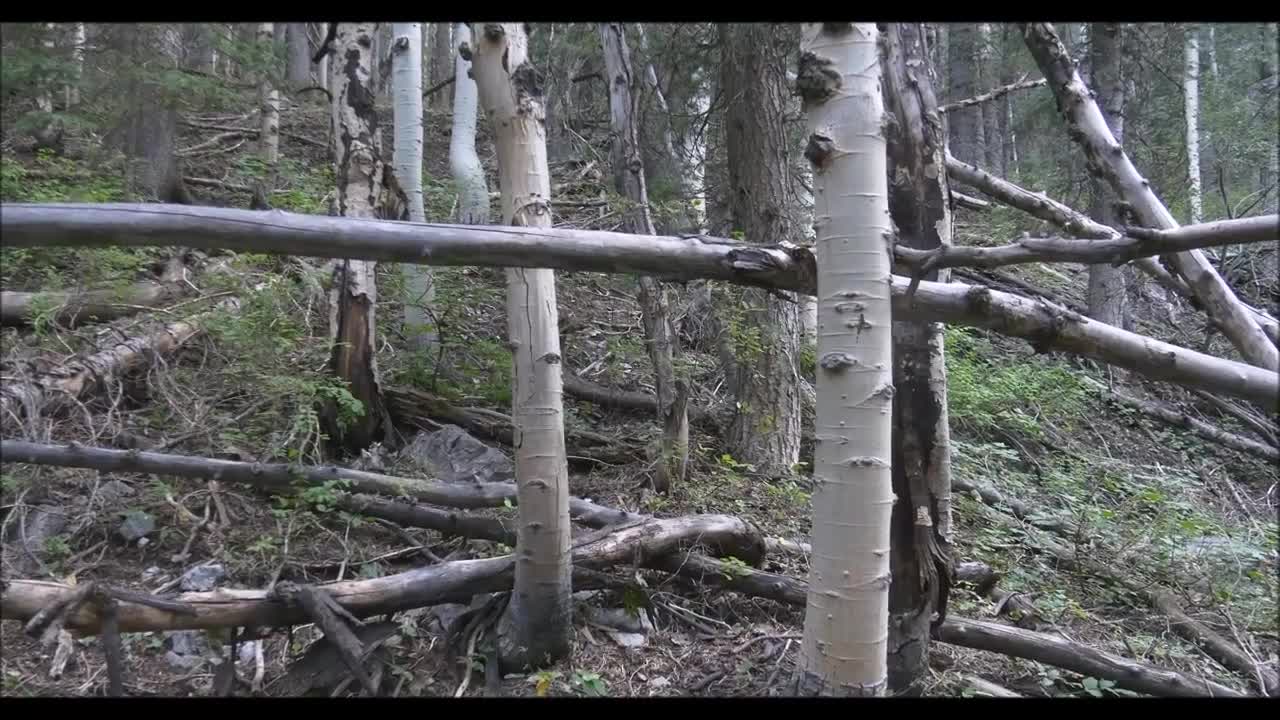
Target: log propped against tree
782, 267
97, 305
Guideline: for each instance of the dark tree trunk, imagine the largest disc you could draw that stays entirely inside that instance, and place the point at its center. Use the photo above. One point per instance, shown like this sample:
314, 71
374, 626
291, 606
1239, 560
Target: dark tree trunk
441, 66
921, 523
1106, 293
993, 145
298, 42
761, 333
967, 136
150, 128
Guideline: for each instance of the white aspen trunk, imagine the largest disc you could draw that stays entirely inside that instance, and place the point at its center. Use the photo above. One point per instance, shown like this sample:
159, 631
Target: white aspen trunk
464, 163
353, 301
406, 104
1089, 129
536, 628
628, 168
844, 648
44, 100
1191, 112
269, 122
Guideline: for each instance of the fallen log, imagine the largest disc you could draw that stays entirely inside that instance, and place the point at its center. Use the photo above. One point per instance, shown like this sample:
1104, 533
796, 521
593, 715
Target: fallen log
102, 305
968, 201
1139, 243
624, 399
454, 581
421, 409
1200, 428
40, 393
1062, 653
1258, 425
1106, 157
1081, 226
986, 687
783, 267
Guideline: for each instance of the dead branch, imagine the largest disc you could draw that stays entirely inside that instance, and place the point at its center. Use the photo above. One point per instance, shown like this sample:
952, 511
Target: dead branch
993, 95
102, 305
439, 86
333, 619
1140, 243
1179, 419
968, 201
624, 399
784, 267
986, 687
419, 408
1259, 426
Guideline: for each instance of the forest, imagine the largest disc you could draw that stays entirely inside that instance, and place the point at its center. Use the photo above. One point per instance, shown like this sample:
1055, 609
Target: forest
630, 360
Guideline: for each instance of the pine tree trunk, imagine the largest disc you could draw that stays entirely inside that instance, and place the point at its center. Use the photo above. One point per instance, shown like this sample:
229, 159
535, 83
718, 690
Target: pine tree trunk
993, 146
353, 301
664, 168
1269, 172
464, 163
965, 124
1106, 292
442, 52
78, 37
629, 179
843, 651
1211, 45
761, 333
298, 43
268, 126
921, 522
536, 627
406, 103
151, 125
1191, 115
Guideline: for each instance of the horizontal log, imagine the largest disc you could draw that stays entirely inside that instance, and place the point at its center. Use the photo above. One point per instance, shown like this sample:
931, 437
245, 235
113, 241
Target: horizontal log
783, 267
448, 582
76, 308
1118, 250
581, 389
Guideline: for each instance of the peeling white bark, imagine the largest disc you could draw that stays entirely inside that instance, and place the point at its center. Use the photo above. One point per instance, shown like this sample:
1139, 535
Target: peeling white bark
464, 163
406, 104
1191, 113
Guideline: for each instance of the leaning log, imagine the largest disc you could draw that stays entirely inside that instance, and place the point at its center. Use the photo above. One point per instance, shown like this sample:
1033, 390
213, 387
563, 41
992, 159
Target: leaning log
36, 393
449, 582
784, 267
1087, 127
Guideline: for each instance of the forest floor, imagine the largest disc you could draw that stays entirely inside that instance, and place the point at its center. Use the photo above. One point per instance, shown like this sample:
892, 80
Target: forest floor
1150, 502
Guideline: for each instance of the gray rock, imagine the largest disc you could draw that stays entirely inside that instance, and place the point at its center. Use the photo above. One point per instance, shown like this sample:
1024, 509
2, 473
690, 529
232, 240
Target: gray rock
136, 525
442, 616
248, 651
452, 455
42, 522
187, 648
153, 574
627, 639
114, 492
203, 578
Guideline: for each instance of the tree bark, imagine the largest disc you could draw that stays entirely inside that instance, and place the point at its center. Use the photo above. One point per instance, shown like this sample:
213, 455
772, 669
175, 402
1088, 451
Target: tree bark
783, 267
760, 342
464, 163
150, 125
846, 620
442, 53
965, 123
1106, 291
921, 526
993, 147
268, 125
1191, 115
536, 627
298, 69
406, 94
1106, 156
655, 303
353, 300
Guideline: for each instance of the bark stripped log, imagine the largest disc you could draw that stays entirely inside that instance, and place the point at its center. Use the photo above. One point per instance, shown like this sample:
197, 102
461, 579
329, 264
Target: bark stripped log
44, 392
783, 267
1106, 156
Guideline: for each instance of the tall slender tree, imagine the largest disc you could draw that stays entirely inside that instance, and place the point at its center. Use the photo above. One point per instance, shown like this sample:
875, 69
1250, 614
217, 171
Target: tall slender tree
760, 335
919, 206
464, 163
298, 52
406, 103
629, 178
536, 627
1106, 291
360, 169
1191, 115
268, 121
442, 47
968, 139
846, 620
